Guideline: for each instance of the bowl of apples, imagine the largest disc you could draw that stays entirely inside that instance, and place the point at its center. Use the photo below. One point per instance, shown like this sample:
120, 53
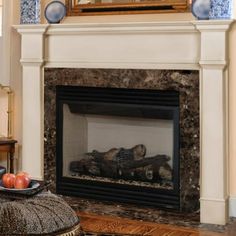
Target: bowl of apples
19, 182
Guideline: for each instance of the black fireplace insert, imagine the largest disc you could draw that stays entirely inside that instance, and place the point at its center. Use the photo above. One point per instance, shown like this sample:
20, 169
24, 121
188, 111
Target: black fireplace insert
118, 144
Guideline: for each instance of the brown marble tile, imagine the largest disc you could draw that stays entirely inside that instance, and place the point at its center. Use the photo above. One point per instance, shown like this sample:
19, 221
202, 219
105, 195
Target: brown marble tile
186, 82
126, 212
133, 212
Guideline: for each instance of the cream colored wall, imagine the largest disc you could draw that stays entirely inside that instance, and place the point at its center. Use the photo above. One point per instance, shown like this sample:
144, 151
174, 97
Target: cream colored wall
3, 121
1, 58
3, 103
3, 112
232, 111
1, 47
15, 74
0, 17
11, 68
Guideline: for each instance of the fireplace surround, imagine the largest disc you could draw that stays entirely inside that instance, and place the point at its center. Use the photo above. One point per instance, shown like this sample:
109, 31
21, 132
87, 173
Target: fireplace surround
147, 86
184, 45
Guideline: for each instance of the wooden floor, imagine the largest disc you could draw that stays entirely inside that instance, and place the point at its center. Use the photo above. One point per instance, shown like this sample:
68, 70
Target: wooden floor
107, 224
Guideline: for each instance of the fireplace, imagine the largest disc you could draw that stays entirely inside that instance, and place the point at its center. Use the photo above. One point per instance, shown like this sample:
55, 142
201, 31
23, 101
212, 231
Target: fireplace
118, 144
136, 44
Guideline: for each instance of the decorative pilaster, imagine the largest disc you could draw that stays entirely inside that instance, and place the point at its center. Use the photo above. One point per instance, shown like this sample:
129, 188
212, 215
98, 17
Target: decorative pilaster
32, 48
214, 121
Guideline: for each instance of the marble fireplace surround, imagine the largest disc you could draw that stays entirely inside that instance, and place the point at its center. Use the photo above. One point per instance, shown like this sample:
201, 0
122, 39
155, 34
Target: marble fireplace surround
185, 82
179, 45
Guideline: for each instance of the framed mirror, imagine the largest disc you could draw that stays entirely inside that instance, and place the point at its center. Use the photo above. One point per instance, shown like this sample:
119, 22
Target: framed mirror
108, 7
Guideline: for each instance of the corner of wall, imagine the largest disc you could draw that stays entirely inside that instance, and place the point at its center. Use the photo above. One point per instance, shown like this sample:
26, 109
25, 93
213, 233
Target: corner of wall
232, 206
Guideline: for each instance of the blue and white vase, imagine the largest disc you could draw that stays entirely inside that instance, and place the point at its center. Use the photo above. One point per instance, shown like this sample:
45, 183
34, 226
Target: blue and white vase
30, 11
201, 9
221, 9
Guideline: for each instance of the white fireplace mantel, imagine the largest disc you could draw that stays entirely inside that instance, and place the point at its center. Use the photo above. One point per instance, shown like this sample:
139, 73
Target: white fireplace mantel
197, 45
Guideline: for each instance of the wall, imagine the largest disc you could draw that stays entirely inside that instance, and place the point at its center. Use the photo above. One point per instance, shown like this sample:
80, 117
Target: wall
11, 68
1, 58
1, 47
3, 121
3, 107
15, 74
232, 119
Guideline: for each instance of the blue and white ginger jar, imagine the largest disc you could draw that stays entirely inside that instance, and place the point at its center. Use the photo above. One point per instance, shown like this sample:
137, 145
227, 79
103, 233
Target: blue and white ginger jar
221, 9
30, 11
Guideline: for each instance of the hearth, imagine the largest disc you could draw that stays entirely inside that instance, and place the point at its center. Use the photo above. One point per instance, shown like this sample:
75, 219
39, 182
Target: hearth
118, 144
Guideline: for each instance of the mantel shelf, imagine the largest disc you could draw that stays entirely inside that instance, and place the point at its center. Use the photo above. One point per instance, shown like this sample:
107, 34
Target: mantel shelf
155, 26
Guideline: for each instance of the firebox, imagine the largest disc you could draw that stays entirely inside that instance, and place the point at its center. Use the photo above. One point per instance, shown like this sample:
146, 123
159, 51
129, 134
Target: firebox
118, 144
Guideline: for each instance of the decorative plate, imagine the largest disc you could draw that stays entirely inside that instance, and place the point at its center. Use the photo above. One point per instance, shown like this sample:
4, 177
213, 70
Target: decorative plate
201, 9
54, 12
33, 185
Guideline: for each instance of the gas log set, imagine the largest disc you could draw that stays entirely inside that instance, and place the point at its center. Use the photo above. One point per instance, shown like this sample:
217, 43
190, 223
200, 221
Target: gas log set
127, 164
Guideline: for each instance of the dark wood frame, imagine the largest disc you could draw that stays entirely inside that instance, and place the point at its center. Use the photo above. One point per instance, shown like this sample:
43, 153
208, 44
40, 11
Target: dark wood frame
158, 6
8, 146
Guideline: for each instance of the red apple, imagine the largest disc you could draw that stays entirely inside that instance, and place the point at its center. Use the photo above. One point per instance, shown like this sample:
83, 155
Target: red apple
21, 182
8, 180
23, 173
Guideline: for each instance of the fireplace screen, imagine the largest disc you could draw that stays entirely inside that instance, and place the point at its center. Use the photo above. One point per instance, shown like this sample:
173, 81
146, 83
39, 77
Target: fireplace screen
124, 139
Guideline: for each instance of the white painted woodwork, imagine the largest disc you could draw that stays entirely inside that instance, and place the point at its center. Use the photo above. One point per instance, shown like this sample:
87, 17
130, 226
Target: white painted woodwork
197, 45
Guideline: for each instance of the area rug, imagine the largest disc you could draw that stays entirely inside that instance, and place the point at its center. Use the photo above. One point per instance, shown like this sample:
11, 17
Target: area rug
96, 225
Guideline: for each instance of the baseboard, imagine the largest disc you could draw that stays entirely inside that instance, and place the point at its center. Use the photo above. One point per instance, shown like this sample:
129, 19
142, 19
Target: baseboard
232, 206
214, 211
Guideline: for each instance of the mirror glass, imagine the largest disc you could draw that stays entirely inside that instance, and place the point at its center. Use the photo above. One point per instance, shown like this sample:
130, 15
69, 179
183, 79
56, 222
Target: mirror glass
101, 7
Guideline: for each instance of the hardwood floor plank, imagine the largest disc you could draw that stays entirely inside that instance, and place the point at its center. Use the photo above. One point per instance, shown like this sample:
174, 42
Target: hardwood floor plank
108, 224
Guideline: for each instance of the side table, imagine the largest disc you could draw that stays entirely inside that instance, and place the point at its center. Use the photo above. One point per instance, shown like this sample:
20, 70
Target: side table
8, 146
